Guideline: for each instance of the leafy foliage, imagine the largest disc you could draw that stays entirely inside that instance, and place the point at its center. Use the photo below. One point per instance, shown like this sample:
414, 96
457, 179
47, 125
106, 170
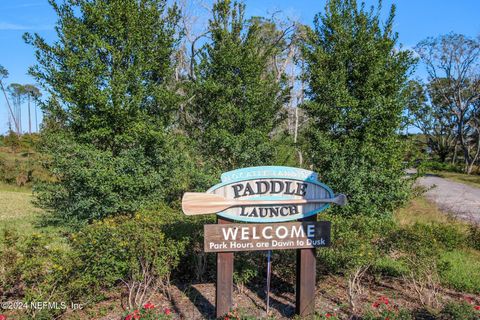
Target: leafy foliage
356, 77
125, 249
354, 243
459, 310
452, 62
109, 73
139, 252
34, 270
237, 99
463, 272
109, 134
92, 184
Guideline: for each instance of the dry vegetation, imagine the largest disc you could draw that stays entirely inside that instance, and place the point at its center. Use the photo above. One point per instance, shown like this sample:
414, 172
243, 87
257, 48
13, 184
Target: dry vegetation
472, 180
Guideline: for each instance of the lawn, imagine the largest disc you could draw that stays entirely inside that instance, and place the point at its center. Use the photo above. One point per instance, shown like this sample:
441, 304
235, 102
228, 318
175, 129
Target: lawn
18, 213
18, 210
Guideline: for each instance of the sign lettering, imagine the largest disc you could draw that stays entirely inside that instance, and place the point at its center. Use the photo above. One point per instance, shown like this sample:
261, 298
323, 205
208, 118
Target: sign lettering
271, 183
281, 236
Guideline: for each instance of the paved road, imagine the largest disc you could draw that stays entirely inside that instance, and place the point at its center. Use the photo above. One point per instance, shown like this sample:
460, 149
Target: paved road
461, 200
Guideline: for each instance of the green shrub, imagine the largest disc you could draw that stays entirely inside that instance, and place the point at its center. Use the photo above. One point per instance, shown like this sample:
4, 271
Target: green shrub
12, 140
449, 236
22, 168
387, 266
417, 248
463, 272
473, 237
459, 310
124, 250
287, 258
246, 269
431, 165
426, 239
354, 243
129, 251
91, 184
32, 270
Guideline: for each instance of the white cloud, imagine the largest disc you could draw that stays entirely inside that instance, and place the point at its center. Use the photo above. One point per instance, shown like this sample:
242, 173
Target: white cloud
12, 26
15, 26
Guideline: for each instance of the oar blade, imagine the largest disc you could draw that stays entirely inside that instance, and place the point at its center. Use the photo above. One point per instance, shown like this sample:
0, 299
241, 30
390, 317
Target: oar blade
196, 203
341, 199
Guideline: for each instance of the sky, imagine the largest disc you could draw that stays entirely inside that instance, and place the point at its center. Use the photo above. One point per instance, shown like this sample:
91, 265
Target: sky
415, 21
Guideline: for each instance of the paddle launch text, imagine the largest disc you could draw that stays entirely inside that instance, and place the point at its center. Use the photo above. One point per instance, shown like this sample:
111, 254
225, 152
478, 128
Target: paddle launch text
269, 187
269, 212
270, 184
247, 237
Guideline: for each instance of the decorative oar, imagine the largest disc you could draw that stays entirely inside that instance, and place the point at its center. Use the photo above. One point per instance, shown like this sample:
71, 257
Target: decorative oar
195, 203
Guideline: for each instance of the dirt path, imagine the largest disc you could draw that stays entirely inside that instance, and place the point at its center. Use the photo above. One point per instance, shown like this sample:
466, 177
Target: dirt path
461, 200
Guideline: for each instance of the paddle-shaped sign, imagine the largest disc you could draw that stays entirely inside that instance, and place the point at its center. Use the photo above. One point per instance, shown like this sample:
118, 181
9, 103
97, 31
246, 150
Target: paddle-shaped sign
264, 194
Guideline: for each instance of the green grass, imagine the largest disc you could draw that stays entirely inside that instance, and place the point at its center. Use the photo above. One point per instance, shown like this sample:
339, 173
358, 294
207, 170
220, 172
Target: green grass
18, 213
463, 273
390, 267
420, 210
471, 180
17, 210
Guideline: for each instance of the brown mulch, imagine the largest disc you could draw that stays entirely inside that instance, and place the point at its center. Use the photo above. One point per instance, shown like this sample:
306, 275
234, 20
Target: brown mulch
197, 301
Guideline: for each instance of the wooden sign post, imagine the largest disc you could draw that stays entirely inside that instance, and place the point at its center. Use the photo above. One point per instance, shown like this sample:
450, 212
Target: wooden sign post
224, 286
266, 198
305, 279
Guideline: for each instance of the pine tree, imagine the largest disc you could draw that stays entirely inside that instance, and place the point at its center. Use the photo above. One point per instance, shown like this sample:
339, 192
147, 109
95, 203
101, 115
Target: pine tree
356, 76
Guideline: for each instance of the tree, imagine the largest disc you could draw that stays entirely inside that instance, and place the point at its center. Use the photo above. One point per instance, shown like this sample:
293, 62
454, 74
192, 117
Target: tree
111, 69
431, 119
356, 78
3, 75
237, 96
32, 93
17, 93
110, 110
452, 63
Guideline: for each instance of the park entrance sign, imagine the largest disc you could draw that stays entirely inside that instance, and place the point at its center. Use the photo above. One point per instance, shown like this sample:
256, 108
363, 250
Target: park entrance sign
278, 236
266, 198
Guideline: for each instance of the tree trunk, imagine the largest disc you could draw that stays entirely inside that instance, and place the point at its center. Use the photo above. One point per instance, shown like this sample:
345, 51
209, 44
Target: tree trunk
29, 117
36, 120
10, 109
455, 150
474, 158
463, 145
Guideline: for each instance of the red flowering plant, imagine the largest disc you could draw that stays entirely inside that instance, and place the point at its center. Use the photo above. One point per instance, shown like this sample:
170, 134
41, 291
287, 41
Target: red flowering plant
476, 307
150, 312
232, 315
328, 315
384, 309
